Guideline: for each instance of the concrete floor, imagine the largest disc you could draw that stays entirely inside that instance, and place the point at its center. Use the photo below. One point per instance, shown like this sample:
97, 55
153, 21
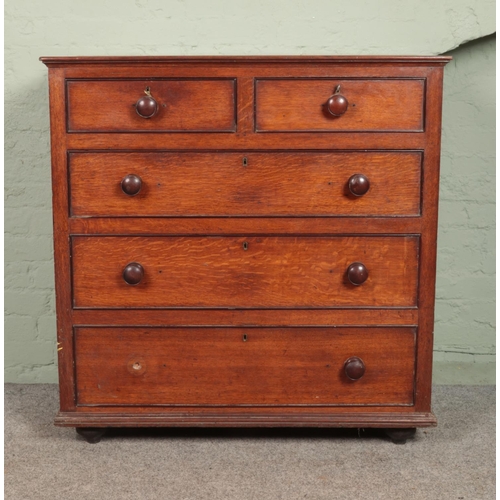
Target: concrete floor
456, 460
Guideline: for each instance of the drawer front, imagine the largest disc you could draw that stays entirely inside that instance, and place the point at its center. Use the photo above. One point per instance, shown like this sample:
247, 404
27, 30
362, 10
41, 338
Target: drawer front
236, 366
235, 272
371, 105
182, 105
244, 184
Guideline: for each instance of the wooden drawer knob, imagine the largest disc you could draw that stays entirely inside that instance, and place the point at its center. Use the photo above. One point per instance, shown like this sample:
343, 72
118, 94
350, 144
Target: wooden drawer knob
354, 368
357, 273
131, 184
359, 184
337, 104
146, 106
133, 273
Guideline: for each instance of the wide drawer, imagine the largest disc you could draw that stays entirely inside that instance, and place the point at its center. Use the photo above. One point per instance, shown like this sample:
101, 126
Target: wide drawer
235, 272
370, 105
244, 184
204, 105
237, 366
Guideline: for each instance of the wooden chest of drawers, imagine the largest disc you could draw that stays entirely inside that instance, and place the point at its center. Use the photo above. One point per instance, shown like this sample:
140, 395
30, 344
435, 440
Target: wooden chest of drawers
245, 241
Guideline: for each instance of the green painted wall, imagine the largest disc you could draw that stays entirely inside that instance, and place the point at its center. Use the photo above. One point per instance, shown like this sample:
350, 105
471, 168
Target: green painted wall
465, 292
464, 332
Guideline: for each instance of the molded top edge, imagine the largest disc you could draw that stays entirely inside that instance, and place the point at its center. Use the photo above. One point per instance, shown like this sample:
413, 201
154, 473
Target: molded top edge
63, 60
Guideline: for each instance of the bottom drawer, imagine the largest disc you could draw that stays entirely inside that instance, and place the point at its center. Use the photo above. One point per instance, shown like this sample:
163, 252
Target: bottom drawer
244, 366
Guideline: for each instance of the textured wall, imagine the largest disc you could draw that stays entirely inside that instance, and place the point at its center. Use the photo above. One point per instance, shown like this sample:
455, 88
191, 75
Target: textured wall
465, 316
465, 293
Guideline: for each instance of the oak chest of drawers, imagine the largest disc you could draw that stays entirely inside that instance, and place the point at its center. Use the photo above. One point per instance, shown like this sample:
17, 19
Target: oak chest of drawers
245, 241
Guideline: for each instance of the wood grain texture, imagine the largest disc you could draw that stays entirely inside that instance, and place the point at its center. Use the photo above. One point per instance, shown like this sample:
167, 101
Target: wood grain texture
247, 317
282, 282
62, 260
146, 141
217, 272
257, 412
428, 255
193, 105
241, 367
394, 60
245, 226
244, 184
299, 104
376, 417
245, 105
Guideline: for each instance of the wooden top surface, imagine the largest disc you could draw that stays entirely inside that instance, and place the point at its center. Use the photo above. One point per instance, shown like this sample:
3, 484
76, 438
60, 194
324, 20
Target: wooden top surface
392, 59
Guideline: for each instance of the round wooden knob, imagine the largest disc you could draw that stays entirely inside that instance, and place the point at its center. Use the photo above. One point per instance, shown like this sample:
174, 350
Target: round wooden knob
133, 273
337, 105
359, 184
146, 107
354, 368
357, 273
131, 184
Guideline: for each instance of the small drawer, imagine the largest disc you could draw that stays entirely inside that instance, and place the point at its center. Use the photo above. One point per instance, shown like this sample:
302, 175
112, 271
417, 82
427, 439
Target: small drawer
198, 105
245, 184
340, 105
245, 367
234, 272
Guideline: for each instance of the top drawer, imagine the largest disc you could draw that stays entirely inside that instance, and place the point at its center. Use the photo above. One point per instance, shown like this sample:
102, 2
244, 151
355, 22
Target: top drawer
193, 105
359, 105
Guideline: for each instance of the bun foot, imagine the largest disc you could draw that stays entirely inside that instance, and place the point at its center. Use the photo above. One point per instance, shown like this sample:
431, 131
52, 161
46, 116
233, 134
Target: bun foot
399, 436
91, 434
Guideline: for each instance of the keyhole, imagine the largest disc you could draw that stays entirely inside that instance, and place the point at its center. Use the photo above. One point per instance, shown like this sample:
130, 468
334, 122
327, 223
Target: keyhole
245, 161
245, 245
244, 338
137, 366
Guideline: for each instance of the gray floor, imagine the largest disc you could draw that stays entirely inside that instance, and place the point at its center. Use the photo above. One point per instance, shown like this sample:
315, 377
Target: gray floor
454, 461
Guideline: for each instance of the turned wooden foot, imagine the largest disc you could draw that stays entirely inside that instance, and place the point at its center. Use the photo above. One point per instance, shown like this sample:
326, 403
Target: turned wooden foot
91, 434
399, 436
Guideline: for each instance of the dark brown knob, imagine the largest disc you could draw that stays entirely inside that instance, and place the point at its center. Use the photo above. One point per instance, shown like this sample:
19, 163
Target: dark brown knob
133, 273
131, 184
357, 273
146, 106
359, 184
337, 104
354, 368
